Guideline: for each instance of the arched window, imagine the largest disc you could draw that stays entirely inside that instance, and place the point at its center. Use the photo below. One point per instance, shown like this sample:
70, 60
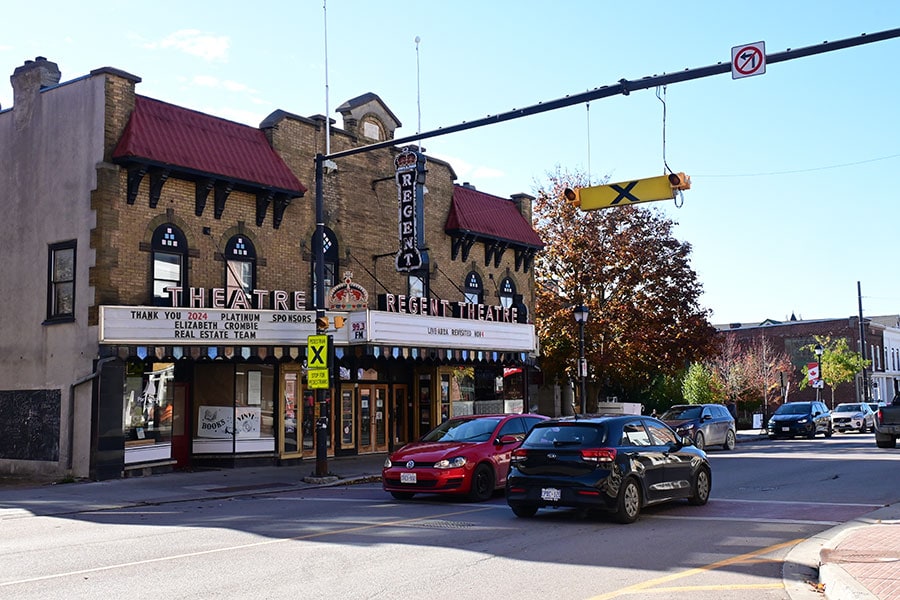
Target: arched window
474, 289
169, 248
331, 261
507, 291
240, 266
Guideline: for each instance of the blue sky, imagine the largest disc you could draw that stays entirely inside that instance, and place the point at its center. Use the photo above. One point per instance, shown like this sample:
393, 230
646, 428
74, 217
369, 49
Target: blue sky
793, 199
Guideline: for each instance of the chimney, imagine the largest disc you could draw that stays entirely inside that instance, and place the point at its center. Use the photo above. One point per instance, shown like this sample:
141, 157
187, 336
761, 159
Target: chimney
27, 82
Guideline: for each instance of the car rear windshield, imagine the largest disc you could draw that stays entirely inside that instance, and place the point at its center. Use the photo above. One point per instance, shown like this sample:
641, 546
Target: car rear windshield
573, 435
798, 408
686, 412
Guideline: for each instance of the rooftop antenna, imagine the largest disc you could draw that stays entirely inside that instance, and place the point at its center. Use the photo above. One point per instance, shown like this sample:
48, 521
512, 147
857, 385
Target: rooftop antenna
418, 93
327, 118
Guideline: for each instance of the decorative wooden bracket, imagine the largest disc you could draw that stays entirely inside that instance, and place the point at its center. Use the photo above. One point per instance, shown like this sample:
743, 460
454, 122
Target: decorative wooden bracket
135, 176
281, 202
263, 199
223, 188
157, 178
201, 193
494, 249
524, 258
462, 242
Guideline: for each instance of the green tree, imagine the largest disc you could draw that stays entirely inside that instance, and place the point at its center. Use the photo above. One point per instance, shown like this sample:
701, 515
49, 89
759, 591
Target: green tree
625, 265
839, 363
701, 386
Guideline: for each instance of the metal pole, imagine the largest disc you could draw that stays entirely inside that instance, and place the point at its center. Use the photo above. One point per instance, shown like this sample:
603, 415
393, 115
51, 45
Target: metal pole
581, 365
319, 250
862, 344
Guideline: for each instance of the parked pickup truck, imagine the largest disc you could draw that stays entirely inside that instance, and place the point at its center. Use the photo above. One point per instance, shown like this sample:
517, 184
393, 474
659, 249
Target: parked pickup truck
887, 424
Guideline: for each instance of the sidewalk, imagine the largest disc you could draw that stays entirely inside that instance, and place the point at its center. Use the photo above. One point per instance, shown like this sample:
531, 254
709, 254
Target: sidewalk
859, 560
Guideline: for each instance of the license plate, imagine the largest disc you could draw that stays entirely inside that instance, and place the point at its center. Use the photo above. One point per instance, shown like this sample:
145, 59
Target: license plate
550, 494
785, 428
407, 477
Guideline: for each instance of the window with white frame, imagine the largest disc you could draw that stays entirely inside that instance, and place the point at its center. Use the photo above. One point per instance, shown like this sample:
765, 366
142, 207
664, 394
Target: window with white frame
240, 266
474, 288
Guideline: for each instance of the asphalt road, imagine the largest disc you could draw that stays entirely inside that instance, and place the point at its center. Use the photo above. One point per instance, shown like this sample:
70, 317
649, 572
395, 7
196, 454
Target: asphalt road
357, 542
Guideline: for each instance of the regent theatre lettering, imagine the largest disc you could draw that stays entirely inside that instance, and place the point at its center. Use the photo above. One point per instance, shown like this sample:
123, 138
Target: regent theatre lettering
415, 305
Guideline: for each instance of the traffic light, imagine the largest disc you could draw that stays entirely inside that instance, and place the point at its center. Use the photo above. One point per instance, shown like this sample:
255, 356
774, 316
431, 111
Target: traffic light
321, 323
339, 321
679, 181
572, 196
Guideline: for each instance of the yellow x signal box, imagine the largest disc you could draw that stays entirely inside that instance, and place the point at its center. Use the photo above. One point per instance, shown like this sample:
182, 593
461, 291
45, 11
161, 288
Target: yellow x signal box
628, 192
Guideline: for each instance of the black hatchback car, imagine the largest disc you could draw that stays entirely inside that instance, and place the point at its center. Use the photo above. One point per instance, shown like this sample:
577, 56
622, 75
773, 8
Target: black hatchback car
800, 418
616, 463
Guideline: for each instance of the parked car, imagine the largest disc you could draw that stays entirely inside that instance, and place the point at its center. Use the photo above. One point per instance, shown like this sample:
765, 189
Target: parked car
466, 455
616, 463
855, 416
706, 424
800, 418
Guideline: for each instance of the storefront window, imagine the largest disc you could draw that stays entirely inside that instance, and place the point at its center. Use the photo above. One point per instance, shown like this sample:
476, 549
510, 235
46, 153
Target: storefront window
149, 396
235, 408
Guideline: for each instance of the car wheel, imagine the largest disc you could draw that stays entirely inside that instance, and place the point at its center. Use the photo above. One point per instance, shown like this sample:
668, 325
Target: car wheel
862, 427
729, 440
699, 441
829, 432
403, 495
811, 433
482, 484
628, 508
702, 486
885, 441
524, 511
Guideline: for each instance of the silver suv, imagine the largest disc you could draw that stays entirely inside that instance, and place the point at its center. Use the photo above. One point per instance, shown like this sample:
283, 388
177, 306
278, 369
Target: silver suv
706, 424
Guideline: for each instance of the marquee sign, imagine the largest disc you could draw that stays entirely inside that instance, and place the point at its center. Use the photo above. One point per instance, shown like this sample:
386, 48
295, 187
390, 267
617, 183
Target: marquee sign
410, 177
207, 327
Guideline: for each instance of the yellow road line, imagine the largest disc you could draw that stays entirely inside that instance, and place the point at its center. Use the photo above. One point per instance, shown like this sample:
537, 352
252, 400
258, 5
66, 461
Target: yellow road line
645, 586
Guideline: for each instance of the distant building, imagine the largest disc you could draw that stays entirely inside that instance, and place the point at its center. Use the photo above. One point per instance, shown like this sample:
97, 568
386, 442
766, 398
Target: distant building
882, 347
159, 269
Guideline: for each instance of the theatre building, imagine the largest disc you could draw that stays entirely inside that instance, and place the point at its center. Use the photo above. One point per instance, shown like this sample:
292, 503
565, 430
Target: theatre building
160, 296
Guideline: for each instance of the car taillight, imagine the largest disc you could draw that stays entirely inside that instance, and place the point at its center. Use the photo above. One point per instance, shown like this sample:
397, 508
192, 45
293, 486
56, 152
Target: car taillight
599, 455
518, 455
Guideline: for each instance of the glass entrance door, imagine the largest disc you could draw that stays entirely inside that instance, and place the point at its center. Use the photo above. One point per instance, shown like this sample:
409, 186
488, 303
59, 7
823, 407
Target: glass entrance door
373, 407
401, 416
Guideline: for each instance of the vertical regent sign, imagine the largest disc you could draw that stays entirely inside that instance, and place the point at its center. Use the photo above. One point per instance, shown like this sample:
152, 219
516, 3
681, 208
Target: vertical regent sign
410, 177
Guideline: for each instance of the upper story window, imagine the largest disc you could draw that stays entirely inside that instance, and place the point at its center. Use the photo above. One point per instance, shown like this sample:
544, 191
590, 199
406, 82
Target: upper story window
240, 266
61, 282
169, 247
507, 292
474, 289
417, 286
331, 261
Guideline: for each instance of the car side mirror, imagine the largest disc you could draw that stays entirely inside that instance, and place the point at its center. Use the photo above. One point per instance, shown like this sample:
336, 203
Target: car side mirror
684, 441
508, 439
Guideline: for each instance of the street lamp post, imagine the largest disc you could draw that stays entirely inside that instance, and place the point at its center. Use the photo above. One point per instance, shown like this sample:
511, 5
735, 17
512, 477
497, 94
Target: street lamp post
819, 350
580, 313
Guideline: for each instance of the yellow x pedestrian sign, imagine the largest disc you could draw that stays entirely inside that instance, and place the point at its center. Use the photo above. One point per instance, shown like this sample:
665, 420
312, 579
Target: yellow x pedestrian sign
317, 352
628, 192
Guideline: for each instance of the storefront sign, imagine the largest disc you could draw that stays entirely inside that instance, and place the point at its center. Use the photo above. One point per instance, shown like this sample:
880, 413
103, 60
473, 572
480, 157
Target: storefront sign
410, 177
226, 421
437, 332
179, 326
415, 305
240, 300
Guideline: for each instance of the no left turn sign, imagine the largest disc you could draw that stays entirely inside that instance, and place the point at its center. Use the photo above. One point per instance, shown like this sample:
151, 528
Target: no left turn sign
748, 59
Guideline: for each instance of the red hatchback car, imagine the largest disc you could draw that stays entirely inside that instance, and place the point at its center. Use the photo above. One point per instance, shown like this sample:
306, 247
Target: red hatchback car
466, 456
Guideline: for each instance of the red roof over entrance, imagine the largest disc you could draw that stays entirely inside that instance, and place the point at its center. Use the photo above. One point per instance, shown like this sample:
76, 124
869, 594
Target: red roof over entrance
487, 216
169, 135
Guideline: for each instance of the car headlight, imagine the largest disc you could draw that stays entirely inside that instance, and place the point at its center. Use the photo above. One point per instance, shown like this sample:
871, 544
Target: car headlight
687, 427
387, 463
451, 463
803, 420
